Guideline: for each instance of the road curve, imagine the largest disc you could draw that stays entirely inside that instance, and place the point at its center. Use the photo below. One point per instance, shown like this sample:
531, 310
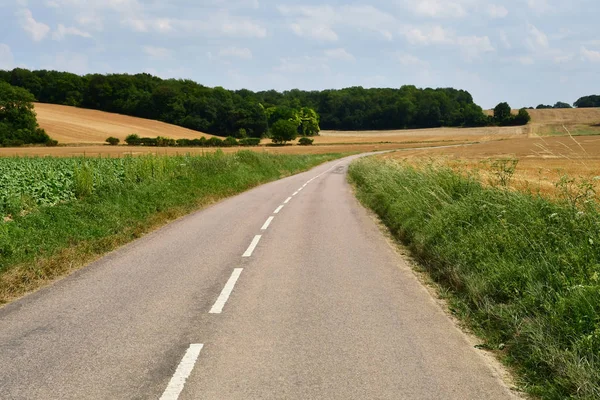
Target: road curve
288, 291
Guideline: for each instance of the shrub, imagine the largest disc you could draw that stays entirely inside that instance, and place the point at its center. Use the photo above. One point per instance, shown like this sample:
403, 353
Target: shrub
165, 142
133, 140
51, 143
230, 142
214, 142
250, 142
113, 141
304, 141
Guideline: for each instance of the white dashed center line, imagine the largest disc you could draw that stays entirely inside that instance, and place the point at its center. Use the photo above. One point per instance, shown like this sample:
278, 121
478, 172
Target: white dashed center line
217, 308
295, 193
183, 371
278, 209
252, 246
287, 200
266, 225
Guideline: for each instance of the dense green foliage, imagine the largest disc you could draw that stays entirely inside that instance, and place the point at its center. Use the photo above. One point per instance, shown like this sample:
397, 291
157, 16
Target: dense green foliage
503, 116
136, 140
18, 123
525, 271
304, 141
558, 104
113, 141
243, 112
283, 131
588, 101
72, 201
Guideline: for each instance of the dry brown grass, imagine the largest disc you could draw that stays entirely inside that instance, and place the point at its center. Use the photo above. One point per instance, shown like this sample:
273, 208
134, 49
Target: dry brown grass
542, 161
70, 125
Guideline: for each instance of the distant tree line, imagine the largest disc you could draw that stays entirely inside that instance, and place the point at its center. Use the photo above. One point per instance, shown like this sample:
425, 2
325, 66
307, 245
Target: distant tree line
559, 104
244, 113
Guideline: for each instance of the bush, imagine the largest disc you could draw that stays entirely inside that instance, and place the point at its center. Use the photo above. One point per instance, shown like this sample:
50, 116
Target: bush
113, 141
165, 142
304, 141
13, 143
133, 140
250, 142
52, 143
214, 142
230, 142
283, 131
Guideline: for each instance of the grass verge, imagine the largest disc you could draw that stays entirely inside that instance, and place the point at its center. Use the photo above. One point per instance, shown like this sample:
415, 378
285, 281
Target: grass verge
524, 271
116, 201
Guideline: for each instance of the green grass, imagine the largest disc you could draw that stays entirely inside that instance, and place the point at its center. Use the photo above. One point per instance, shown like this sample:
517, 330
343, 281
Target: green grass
524, 271
66, 212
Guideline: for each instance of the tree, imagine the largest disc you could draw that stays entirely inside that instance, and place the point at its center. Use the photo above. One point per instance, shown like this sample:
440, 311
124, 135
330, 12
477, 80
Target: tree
113, 141
502, 113
522, 118
283, 131
18, 123
560, 104
588, 102
309, 122
543, 107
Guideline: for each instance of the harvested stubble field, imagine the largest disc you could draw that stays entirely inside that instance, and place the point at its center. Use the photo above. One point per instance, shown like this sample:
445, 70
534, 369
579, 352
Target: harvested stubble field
75, 126
542, 161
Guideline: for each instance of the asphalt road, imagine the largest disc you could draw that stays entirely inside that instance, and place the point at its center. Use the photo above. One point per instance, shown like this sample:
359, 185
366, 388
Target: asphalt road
319, 307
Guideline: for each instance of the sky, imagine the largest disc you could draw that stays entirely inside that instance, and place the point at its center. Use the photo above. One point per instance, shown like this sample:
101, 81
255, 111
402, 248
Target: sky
525, 52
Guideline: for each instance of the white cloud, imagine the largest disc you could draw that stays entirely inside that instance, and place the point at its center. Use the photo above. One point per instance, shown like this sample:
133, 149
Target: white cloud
540, 6
473, 46
160, 25
504, 40
217, 24
317, 31
159, 53
436, 8
302, 65
69, 61
6, 57
411, 60
236, 52
427, 36
537, 39
90, 20
590, 55
36, 30
319, 22
339, 54
63, 31
495, 11
526, 60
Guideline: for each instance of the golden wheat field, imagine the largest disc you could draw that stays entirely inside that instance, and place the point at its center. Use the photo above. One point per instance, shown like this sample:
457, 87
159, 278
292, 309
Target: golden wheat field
70, 125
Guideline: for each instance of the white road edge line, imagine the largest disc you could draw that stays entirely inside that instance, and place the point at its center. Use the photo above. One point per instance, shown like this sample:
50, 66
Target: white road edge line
217, 308
252, 246
287, 200
183, 371
266, 225
278, 209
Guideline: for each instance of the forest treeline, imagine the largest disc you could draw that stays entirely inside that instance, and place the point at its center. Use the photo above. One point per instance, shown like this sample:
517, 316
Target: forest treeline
242, 112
